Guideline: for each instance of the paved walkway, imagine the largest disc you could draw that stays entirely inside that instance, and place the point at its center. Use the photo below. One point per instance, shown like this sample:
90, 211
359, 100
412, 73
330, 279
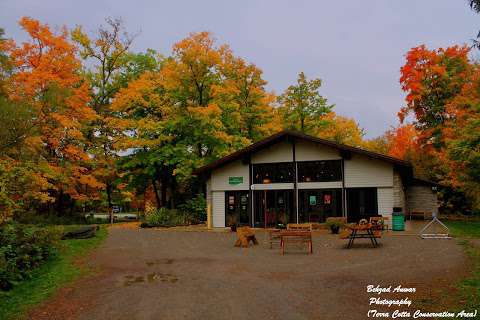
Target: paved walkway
153, 274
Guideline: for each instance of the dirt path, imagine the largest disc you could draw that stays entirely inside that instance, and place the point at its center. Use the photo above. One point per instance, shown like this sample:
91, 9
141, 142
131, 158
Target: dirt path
152, 274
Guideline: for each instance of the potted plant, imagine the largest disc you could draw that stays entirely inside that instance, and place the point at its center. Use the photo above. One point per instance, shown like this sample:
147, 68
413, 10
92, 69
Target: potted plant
334, 226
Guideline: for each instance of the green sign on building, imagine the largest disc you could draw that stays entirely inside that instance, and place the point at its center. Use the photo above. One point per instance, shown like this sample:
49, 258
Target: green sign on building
313, 200
235, 180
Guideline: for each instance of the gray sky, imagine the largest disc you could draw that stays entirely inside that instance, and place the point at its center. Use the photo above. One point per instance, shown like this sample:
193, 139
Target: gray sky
356, 47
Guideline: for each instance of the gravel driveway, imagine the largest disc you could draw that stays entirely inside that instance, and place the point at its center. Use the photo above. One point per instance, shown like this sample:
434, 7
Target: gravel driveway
155, 274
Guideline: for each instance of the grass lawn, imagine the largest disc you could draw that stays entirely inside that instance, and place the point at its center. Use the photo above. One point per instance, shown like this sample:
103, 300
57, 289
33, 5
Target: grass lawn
469, 288
52, 275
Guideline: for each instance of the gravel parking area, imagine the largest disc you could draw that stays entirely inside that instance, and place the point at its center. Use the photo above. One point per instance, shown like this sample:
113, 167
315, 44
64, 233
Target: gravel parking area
157, 274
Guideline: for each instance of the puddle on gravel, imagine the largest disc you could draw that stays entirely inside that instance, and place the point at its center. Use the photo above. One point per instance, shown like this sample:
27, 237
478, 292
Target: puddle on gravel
159, 261
150, 278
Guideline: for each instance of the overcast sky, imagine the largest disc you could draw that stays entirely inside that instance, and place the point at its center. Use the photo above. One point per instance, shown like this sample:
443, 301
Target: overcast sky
356, 47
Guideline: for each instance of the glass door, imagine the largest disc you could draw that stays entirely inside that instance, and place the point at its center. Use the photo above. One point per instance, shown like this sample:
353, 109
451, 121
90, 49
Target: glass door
273, 207
236, 211
361, 203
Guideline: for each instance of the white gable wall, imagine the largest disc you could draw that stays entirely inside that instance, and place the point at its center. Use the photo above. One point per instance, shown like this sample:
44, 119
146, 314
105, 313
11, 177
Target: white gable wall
309, 151
280, 152
220, 176
362, 171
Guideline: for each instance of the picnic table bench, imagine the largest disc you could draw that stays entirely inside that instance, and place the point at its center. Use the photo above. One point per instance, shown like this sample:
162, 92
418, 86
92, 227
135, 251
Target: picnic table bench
356, 231
295, 236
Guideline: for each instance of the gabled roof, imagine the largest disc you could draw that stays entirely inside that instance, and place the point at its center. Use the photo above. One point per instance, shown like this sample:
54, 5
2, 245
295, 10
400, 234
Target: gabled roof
277, 137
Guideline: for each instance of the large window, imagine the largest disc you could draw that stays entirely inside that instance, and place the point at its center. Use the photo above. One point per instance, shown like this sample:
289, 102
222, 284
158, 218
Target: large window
319, 204
273, 172
319, 171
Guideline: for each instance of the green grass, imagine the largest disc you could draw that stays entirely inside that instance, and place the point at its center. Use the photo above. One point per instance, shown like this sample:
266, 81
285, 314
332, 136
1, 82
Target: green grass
469, 288
464, 229
49, 277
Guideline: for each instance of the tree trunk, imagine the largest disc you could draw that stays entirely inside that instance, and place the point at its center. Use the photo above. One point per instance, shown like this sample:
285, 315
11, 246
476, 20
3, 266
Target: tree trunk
155, 190
163, 191
109, 194
60, 203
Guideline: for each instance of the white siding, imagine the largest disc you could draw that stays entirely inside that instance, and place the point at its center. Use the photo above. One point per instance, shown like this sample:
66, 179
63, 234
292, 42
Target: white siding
272, 186
398, 191
235, 169
218, 209
319, 185
280, 152
361, 171
385, 203
309, 151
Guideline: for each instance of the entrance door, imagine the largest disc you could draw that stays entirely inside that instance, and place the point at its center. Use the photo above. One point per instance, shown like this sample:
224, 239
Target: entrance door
361, 203
236, 211
273, 207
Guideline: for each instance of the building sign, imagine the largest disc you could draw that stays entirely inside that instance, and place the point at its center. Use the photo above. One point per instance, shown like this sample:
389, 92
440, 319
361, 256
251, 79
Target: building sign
313, 200
235, 180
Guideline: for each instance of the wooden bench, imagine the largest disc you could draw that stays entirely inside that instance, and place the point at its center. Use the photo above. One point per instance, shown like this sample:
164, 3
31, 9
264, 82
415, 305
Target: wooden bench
419, 213
299, 226
342, 220
296, 236
244, 236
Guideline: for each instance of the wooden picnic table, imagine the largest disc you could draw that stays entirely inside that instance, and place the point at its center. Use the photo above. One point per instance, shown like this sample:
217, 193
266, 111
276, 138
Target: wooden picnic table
296, 236
362, 231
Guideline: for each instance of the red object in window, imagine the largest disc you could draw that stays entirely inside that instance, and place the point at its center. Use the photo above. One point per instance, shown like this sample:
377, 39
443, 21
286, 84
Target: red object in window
327, 198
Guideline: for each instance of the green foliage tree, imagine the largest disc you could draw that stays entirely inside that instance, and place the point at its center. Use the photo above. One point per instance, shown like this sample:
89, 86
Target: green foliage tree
107, 53
302, 106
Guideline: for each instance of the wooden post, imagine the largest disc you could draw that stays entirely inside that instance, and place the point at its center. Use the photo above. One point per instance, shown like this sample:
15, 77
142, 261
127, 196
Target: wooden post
209, 216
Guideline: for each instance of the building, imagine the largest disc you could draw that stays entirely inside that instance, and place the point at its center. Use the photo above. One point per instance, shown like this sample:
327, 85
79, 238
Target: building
291, 177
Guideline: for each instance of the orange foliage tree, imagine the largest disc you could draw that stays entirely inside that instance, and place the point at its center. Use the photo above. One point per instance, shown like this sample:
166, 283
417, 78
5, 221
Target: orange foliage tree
442, 93
341, 130
46, 77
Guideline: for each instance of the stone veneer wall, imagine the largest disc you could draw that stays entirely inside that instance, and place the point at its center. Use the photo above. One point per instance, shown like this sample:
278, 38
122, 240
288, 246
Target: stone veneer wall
422, 198
398, 192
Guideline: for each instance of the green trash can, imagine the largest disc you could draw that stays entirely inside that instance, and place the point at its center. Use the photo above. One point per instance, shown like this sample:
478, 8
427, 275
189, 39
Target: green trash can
398, 221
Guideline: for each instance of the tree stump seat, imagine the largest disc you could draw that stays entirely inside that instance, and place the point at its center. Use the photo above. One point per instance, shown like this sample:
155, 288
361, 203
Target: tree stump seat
245, 235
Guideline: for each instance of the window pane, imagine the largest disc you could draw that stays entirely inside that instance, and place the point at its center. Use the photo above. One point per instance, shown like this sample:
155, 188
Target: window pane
320, 171
273, 173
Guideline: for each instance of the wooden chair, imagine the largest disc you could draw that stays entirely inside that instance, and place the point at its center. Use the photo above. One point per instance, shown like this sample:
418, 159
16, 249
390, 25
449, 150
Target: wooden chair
377, 223
244, 236
299, 226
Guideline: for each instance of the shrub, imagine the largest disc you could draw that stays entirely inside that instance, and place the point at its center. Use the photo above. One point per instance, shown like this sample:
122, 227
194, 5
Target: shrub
195, 208
22, 249
48, 218
164, 217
